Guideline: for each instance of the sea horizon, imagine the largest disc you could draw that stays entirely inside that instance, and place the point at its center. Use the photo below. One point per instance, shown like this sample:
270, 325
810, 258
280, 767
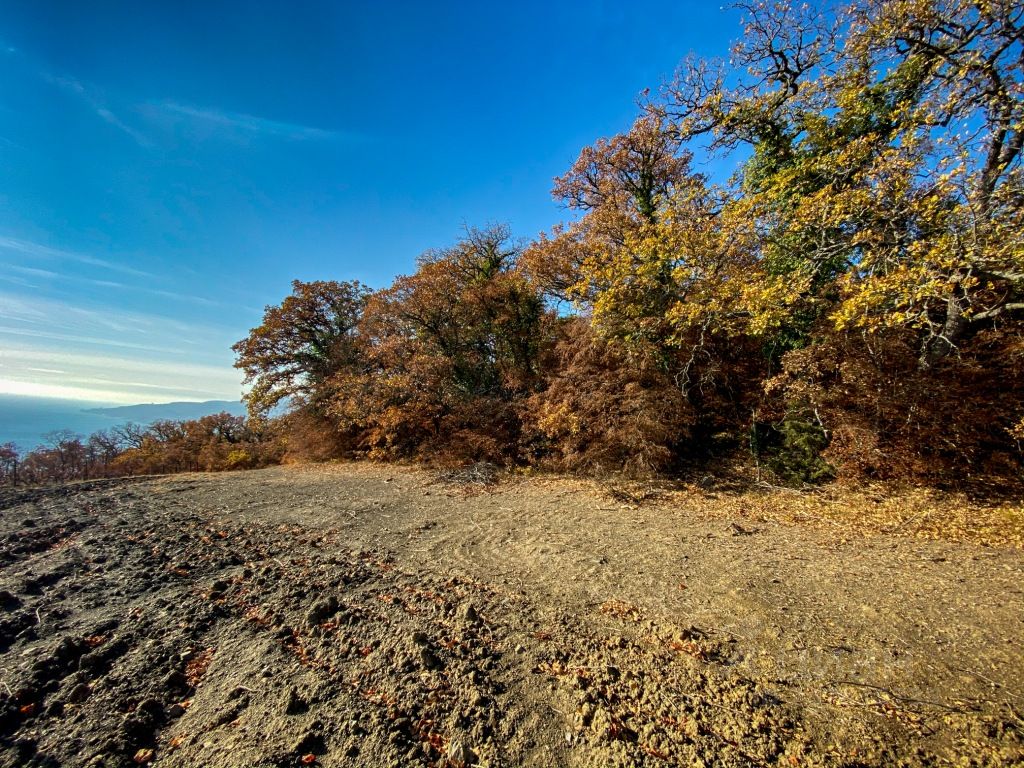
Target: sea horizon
25, 420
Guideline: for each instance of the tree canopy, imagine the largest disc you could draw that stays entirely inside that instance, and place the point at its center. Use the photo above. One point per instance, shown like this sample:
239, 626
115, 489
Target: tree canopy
300, 343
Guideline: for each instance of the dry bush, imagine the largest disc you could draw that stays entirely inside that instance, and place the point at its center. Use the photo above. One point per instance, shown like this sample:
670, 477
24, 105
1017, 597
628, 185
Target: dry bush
393, 408
888, 416
605, 411
482, 429
209, 444
312, 436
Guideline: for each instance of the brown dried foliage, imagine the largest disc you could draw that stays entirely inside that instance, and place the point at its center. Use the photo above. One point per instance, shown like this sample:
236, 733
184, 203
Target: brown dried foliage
603, 410
887, 417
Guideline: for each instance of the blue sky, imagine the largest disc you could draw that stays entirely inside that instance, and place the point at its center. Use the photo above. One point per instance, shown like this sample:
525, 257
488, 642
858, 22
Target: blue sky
168, 168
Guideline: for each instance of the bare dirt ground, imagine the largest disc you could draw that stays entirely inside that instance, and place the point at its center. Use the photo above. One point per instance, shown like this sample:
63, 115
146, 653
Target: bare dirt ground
360, 615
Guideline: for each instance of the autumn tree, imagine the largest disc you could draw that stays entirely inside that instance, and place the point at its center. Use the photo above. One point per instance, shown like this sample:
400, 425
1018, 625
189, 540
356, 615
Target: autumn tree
885, 176
104, 445
651, 247
618, 185
301, 343
10, 461
883, 193
449, 348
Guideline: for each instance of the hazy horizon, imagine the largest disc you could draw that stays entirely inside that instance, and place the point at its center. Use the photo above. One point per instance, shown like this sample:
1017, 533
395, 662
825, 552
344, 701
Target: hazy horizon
26, 419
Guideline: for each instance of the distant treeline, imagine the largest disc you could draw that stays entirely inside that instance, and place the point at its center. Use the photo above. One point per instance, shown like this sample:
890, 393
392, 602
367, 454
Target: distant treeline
848, 304
217, 442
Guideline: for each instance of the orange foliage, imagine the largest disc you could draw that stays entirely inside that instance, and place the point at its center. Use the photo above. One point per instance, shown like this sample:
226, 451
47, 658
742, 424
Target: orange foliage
606, 411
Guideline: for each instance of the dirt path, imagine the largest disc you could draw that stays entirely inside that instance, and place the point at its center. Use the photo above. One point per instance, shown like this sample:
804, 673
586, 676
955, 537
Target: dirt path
364, 615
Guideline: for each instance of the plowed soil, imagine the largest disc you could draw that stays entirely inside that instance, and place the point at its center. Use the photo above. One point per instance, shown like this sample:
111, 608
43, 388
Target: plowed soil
359, 615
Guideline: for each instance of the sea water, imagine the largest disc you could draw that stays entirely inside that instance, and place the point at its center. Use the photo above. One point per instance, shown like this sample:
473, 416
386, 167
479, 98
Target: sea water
26, 421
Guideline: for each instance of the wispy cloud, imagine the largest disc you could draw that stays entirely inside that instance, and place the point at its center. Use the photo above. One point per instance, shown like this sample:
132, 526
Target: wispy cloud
18, 281
82, 375
103, 321
174, 295
90, 96
37, 250
51, 275
241, 123
48, 274
115, 121
91, 340
101, 365
95, 391
34, 272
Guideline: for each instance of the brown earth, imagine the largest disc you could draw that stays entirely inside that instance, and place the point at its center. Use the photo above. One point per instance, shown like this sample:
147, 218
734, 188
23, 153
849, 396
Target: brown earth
373, 616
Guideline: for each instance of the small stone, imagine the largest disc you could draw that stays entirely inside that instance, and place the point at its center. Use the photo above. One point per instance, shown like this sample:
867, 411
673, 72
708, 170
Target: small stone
79, 693
150, 708
429, 659
237, 692
175, 681
55, 708
460, 754
67, 650
468, 613
322, 610
310, 743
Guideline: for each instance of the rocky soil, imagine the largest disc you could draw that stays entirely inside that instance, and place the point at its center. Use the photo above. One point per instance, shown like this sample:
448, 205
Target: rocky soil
372, 616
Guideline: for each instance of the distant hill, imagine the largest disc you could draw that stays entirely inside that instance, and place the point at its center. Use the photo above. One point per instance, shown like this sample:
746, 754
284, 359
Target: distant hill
147, 413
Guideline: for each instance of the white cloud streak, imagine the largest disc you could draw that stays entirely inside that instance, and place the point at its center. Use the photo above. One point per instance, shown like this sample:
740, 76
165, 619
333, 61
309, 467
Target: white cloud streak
48, 274
82, 376
91, 340
88, 95
39, 251
248, 124
53, 320
119, 394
